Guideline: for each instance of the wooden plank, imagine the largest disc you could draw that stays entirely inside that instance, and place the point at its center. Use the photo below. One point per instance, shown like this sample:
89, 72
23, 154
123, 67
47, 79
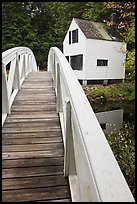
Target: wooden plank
27, 102
32, 171
32, 154
33, 116
37, 91
35, 140
30, 129
33, 87
31, 147
30, 162
34, 108
35, 194
26, 135
33, 112
42, 86
30, 122
33, 182
31, 97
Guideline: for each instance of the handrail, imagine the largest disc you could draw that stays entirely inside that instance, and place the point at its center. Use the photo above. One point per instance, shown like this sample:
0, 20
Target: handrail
21, 62
89, 163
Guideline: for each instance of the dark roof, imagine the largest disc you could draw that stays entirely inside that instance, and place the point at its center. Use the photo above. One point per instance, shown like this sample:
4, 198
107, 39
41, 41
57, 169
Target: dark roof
95, 30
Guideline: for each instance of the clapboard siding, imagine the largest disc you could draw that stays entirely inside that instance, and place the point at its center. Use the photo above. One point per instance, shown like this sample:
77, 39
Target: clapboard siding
76, 48
110, 50
94, 48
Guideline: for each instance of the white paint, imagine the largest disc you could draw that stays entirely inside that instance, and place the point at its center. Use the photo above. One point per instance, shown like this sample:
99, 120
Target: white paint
19, 69
93, 49
109, 50
99, 176
74, 188
76, 48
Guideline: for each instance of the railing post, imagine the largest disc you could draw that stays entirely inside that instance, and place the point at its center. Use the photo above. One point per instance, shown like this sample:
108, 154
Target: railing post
67, 138
54, 72
24, 66
69, 157
5, 99
27, 64
17, 74
59, 108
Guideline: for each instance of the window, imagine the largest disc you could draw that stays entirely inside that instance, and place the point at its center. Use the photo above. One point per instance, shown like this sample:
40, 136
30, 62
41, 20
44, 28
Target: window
75, 36
76, 62
67, 57
69, 37
102, 62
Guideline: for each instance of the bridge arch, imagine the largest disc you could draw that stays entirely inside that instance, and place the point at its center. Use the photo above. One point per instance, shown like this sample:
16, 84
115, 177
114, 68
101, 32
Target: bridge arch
19, 61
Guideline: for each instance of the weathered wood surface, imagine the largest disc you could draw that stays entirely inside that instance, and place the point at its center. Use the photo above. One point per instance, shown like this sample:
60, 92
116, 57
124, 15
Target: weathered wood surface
32, 145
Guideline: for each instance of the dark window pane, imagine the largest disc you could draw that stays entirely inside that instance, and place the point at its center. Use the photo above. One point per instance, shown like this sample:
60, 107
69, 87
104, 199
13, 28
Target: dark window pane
76, 62
102, 62
69, 37
75, 36
67, 57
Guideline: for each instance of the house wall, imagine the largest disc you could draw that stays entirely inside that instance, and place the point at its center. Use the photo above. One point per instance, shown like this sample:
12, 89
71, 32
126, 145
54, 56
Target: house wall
76, 48
102, 49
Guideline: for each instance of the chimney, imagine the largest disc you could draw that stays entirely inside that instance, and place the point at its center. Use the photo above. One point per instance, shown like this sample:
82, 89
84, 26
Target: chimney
114, 22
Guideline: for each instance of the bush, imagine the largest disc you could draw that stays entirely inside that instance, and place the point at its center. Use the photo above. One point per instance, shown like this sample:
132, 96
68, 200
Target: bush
112, 91
122, 144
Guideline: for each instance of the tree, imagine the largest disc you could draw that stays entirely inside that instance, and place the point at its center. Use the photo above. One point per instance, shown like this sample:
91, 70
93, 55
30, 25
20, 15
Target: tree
16, 27
96, 11
38, 25
126, 26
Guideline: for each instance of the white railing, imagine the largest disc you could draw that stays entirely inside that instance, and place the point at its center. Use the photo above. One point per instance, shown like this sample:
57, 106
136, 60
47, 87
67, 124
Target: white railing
20, 62
93, 172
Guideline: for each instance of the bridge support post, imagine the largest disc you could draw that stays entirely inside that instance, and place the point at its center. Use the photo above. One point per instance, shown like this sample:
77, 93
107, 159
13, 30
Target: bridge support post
67, 138
54, 72
69, 157
17, 75
5, 99
84, 82
59, 108
24, 67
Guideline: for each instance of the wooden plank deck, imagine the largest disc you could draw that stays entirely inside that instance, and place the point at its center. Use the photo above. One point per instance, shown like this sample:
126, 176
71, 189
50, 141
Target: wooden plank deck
32, 145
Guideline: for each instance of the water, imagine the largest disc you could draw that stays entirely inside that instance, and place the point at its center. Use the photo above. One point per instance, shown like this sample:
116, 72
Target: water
111, 116
110, 120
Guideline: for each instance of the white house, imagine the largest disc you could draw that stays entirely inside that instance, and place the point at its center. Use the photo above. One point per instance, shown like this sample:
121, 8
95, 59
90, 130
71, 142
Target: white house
94, 54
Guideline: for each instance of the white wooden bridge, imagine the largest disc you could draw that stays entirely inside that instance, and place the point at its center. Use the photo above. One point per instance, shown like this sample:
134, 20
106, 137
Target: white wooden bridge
52, 144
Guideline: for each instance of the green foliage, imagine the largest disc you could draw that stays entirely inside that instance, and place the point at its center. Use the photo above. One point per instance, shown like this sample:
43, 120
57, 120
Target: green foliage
40, 25
123, 147
126, 27
105, 93
130, 65
95, 11
132, 95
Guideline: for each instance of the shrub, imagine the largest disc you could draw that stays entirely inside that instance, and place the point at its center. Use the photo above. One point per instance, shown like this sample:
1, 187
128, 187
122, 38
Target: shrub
123, 147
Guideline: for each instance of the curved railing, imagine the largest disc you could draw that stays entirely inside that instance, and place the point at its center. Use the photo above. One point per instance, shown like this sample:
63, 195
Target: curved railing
17, 63
93, 172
